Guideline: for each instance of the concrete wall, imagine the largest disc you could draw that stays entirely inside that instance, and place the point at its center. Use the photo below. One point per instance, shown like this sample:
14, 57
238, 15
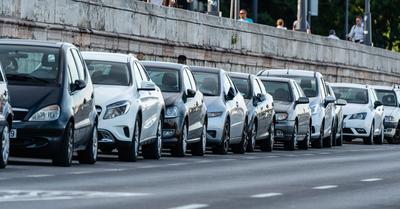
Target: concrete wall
165, 33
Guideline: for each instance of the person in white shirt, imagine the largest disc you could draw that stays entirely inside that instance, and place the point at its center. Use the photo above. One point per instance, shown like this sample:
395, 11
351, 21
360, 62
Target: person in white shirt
280, 24
332, 35
357, 32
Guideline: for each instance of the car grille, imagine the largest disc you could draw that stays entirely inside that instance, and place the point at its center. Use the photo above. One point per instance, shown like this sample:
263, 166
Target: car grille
98, 110
347, 131
20, 114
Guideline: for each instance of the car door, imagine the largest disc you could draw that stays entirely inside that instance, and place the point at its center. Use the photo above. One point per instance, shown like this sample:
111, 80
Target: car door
190, 104
196, 114
230, 104
303, 115
328, 108
261, 110
149, 104
3, 97
378, 112
77, 99
239, 114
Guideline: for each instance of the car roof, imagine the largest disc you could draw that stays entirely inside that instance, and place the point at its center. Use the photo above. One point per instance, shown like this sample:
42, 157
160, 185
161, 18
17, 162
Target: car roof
385, 87
206, 69
106, 56
265, 78
240, 75
292, 72
350, 85
163, 64
44, 43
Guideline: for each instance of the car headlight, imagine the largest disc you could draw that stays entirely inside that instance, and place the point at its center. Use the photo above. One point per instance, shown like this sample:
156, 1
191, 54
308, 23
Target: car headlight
49, 113
314, 109
389, 118
214, 114
281, 116
359, 116
117, 109
171, 112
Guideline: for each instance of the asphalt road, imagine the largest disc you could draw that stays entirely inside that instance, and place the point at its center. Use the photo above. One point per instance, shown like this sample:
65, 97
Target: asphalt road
352, 176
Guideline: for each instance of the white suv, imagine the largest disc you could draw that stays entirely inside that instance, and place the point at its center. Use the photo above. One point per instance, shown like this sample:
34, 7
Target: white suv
390, 97
130, 106
363, 114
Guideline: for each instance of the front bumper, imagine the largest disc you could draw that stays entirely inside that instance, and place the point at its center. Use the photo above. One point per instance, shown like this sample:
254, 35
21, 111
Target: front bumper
284, 130
390, 128
119, 129
357, 128
172, 130
316, 126
215, 128
39, 139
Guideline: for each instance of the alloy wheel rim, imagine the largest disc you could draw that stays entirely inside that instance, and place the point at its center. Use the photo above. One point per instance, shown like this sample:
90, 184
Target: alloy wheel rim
253, 137
136, 138
272, 135
5, 144
184, 138
95, 143
204, 138
159, 138
226, 140
70, 144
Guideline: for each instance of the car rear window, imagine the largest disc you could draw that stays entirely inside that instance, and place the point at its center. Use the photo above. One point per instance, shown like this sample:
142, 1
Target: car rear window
351, 95
167, 79
387, 97
243, 85
109, 73
208, 83
279, 90
30, 64
308, 84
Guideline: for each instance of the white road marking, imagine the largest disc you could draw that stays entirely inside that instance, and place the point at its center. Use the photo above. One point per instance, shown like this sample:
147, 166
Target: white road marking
114, 170
81, 172
273, 156
291, 155
41, 195
39, 175
150, 166
324, 153
265, 195
204, 161
308, 154
371, 180
191, 206
325, 187
224, 160
176, 164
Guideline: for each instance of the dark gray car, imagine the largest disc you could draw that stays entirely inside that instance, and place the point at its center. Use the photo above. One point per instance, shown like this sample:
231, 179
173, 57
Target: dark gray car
260, 111
292, 112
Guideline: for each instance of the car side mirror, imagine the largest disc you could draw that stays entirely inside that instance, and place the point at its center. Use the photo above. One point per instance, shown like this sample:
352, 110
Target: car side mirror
303, 100
147, 86
328, 100
377, 104
78, 85
341, 102
231, 94
190, 93
258, 98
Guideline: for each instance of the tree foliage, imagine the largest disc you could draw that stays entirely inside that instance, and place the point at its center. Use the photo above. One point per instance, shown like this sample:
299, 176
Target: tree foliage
385, 17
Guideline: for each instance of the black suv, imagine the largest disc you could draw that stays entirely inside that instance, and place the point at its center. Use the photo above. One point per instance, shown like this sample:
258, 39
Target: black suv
185, 120
52, 97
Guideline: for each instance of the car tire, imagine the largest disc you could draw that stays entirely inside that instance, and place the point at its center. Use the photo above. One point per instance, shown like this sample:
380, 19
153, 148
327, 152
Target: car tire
223, 147
291, 144
5, 146
328, 141
370, 138
396, 137
89, 155
130, 152
339, 141
181, 147
267, 145
334, 134
252, 136
242, 146
318, 143
63, 157
154, 150
199, 148
303, 145
381, 137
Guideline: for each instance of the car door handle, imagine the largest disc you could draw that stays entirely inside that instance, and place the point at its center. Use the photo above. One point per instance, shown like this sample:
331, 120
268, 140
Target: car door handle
5, 93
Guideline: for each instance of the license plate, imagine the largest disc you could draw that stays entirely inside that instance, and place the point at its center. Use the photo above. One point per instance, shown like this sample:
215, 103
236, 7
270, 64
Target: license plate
13, 133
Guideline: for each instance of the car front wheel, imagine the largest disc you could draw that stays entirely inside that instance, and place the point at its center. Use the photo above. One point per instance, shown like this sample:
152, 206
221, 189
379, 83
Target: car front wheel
63, 156
89, 155
154, 150
130, 152
5, 147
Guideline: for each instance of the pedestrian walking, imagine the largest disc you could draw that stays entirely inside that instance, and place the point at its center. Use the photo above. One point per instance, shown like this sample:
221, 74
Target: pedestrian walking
357, 31
280, 24
243, 16
332, 35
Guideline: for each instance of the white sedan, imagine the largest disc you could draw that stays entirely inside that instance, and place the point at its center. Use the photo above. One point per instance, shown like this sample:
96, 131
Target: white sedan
363, 114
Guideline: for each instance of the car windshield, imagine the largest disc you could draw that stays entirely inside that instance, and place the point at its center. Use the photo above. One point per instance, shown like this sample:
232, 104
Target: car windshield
280, 91
30, 64
243, 86
208, 83
388, 97
351, 95
109, 73
165, 78
308, 84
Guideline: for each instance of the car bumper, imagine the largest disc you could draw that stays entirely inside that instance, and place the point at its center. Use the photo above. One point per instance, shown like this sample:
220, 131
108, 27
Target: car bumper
356, 128
390, 128
172, 130
316, 126
119, 129
284, 130
39, 139
215, 128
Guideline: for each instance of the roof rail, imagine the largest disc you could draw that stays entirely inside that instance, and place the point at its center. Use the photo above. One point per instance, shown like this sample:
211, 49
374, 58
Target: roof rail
261, 72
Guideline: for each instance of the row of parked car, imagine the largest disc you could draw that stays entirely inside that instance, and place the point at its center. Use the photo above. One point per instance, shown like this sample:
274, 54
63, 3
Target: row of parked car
56, 101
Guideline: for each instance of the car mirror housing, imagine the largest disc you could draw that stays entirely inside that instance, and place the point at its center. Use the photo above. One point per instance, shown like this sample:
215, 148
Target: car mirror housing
78, 85
303, 100
258, 98
341, 102
328, 100
190, 93
377, 104
147, 86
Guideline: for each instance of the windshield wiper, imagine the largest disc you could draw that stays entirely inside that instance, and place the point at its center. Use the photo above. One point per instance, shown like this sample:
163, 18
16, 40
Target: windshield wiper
208, 94
25, 77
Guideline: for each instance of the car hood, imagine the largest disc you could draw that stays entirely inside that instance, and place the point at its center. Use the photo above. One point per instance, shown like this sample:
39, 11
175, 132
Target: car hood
33, 97
350, 108
108, 94
393, 111
214, 103
170, 98
281, 106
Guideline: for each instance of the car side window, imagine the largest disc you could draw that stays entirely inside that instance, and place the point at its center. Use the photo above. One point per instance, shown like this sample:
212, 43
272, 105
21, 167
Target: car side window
1, 74
256, 88
191, 79
324, 87
143, 72
227, 85
299, 90
137, 76
79, 64
72, 69
232, 85
296, 91
186, 80
262, 87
